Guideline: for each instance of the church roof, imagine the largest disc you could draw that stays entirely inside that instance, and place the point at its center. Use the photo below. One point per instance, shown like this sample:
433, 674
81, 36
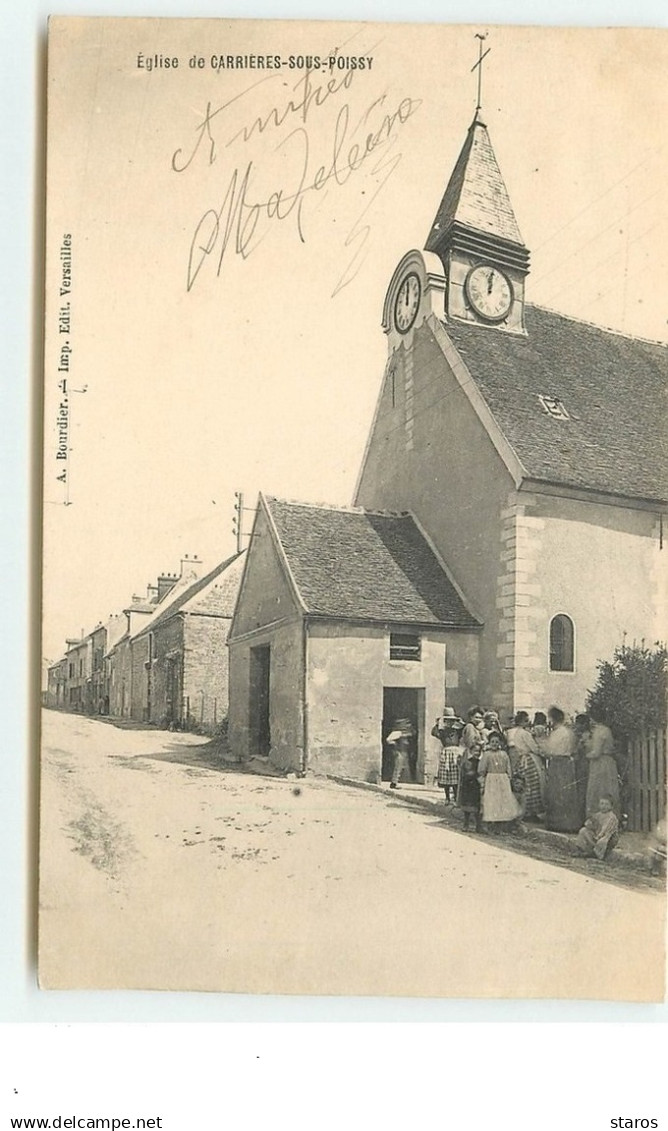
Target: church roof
613, 389
359, 565
476, 195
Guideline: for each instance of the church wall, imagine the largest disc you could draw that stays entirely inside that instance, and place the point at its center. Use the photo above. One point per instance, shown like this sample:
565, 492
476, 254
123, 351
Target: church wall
286, 695
267, 614
265, 596
347, 668
430, 454
600, 565
345, 701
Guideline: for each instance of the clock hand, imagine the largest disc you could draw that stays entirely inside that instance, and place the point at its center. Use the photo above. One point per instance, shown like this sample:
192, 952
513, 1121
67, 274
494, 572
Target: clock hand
490, 282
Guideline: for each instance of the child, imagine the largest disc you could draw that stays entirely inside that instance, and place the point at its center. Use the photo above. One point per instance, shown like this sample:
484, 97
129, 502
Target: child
399, 740
657, 851
468, 789
499, 804
600, 832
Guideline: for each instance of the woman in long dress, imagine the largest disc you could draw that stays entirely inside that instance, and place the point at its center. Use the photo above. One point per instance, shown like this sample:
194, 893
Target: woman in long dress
525, 756
499, 803
598, 747
563, 807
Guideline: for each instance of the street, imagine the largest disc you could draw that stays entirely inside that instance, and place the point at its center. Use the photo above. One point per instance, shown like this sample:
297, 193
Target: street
162, 868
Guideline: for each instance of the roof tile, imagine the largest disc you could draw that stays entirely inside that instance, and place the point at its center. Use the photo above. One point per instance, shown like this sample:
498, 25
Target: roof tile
612, 387
361, 565
476, 194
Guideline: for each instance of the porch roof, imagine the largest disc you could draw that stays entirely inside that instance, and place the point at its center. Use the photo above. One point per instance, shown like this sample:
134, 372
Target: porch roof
361, 565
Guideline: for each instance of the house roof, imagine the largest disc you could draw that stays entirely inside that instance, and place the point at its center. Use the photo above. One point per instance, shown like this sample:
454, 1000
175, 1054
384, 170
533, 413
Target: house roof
476, 195
217, 596
359, 565
140, 607
211, 595
612, 387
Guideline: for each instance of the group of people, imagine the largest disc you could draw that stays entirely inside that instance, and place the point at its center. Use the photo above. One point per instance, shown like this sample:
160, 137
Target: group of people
546, 769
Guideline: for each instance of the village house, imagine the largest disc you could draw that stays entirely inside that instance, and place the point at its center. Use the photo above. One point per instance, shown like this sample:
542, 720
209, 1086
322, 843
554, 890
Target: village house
346, 619
79, 666
526, 453
118, 660
180, 659
56, 685
163, 659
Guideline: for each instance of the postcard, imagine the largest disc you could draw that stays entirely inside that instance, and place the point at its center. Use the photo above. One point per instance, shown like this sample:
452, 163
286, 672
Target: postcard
354, 495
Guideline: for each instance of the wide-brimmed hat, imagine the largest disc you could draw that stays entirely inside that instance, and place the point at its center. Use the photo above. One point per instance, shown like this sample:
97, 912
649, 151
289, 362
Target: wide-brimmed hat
451, 719
404, 725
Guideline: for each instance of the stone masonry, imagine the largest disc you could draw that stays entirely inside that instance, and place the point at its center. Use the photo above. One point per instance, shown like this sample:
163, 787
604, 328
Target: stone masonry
522, 617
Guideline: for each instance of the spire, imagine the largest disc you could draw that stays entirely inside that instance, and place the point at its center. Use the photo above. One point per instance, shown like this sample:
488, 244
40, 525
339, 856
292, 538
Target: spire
476, 197
476, 237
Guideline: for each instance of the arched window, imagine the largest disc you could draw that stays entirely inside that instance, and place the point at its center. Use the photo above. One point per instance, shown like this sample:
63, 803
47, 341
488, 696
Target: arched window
562, 653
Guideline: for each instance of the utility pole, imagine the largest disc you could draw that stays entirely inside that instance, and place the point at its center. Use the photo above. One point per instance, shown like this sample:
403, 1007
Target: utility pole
238, 519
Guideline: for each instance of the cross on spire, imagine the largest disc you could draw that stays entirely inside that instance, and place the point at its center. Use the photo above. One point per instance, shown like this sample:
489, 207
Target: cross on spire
481, 55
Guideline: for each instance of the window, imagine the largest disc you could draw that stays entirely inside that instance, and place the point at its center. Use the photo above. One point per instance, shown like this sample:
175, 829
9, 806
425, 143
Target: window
553, 407
404, 646
561, 644
71, 671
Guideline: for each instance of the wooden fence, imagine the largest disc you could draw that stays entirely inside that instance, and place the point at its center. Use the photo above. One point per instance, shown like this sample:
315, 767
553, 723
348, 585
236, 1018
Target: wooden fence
646, 780
199, 710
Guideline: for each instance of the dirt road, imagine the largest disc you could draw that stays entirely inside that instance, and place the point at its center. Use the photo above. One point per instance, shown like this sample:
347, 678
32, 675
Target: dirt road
162, 868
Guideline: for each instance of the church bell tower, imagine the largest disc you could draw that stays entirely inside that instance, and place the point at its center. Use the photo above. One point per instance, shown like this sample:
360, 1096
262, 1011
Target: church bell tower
475, 234
476, 237
474, 263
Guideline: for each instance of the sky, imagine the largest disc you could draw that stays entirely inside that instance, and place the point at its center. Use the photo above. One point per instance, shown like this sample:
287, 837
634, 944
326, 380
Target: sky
255, 366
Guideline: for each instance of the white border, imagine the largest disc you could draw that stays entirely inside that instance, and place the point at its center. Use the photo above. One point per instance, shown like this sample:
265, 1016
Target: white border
21, 205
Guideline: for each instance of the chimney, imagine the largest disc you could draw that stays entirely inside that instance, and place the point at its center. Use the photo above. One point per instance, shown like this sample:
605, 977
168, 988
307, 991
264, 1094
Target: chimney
191, 566
166, 583
152, 593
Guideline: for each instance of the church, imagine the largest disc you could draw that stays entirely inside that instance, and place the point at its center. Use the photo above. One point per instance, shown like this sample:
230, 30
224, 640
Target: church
523, 457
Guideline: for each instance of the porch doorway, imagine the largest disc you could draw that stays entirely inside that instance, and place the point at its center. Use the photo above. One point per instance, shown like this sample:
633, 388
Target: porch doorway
403, 703
260, 679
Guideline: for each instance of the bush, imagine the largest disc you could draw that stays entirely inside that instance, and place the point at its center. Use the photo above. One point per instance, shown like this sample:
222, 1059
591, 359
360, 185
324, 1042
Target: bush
631, 690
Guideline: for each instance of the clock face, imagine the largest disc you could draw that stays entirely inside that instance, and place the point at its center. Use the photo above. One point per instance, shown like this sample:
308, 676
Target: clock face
489, 292
407, 303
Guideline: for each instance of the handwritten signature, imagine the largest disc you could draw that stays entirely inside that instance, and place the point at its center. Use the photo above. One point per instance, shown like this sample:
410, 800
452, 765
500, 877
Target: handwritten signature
241, 221
307, 97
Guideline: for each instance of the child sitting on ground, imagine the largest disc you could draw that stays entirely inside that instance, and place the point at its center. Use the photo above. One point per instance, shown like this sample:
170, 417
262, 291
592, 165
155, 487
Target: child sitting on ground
600, 832
657, 850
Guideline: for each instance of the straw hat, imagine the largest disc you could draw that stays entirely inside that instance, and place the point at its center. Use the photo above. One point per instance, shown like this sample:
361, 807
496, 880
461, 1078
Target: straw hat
451, 720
